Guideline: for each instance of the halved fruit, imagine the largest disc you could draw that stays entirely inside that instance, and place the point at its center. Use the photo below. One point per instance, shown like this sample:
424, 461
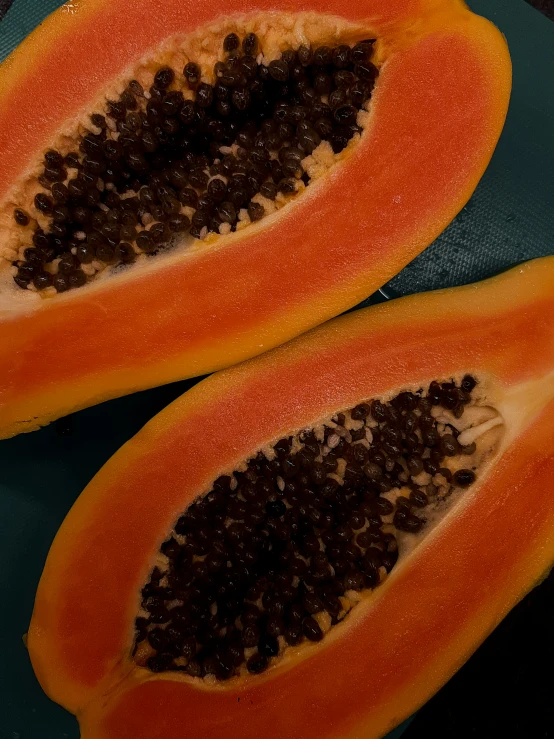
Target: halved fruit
141, 127
312, 542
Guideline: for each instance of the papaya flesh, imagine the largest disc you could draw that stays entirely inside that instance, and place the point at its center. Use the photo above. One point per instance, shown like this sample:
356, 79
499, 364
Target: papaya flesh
436, 112
453, 582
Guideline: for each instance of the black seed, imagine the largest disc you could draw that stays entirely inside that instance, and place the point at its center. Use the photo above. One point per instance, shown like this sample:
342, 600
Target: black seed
323, 83
354, 580
34, 256
241, 98
20, 217
275, 509
60, 193
231, 42
105, 253
464, 478
144, 242
67, 263
159, 232
287, 186
204, 95
279, 70
268, 190
172, 103
309, 141
294, 634
338, 98
227, 212
53, 158
40, 239
312, 603
311, 629
366, 71
384, 506
341, 56
255, 211
61, 282
76, 188
250, 44
124, 253
194, 668
188, 196
42, 280
323, 56
344, 78
362, 51
164, 77
72, 160
171, 205
85, 253
60, 213
305, 55
359, 93
198, 179
418, 498
468, 383
257, 663
43, 203
178, 223
55, 174
268, 645
250, 635
128, 233
345, 114
405, 521
449, 446
192, 73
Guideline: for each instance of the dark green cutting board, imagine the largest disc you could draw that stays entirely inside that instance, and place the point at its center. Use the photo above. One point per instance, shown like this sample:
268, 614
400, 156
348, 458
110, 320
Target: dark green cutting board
510, 218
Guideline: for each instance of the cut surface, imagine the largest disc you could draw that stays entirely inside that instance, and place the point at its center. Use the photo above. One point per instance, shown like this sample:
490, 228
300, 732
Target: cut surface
284, 547
436, 113
453, 581
189, 149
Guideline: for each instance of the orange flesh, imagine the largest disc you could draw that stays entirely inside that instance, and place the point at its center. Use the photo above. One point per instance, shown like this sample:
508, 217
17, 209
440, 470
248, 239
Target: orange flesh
395, 657
445, 81
459, 584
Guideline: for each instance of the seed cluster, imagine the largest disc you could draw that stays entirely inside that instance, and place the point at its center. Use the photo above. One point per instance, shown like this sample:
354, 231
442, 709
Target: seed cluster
272, 554
159, 164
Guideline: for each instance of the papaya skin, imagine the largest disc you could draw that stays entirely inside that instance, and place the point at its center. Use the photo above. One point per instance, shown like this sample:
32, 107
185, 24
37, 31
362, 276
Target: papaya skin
442, 96
381, 664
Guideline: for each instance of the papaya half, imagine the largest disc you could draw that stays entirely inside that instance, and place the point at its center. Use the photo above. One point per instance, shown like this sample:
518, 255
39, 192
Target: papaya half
344, 519
147, 154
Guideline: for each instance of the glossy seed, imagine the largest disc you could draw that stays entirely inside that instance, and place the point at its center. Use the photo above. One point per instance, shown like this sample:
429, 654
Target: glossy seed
464, 477
312, 629
279, 70
250, 44
192, 73
164, 77
257, 663
21, 217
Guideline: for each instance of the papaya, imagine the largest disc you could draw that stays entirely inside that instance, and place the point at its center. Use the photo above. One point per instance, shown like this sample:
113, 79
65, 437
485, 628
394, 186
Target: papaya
312, 542
182, 190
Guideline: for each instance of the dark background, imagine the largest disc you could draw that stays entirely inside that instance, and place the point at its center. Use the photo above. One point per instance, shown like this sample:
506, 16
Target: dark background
545, 6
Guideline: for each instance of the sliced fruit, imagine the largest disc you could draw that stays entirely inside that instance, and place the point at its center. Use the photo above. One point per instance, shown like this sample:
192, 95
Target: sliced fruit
121, 157
426, 420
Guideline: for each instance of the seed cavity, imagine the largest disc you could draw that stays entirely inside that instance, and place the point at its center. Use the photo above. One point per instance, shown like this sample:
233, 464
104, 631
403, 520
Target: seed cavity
279, 551
197, 151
